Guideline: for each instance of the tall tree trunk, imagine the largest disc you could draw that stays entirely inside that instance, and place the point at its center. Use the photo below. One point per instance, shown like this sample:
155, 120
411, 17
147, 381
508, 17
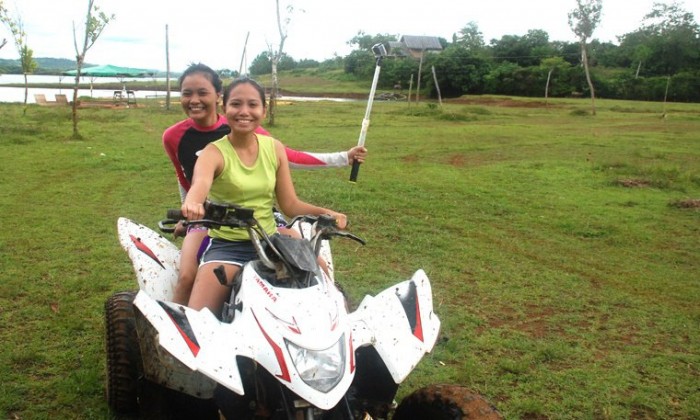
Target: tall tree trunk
26, 88
74, 110
546, 87
272, 108
584, 57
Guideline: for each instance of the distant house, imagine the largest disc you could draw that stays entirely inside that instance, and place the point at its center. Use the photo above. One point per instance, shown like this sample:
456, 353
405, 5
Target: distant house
416, 46
398, 49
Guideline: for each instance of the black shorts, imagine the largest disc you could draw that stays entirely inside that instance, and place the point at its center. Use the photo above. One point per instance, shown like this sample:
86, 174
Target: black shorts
228, 252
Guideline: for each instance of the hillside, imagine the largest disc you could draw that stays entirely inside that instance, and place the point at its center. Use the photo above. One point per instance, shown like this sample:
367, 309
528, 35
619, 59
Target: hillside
45, 65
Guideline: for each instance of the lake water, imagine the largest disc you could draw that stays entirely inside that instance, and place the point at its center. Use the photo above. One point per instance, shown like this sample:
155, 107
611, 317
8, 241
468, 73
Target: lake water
16, 94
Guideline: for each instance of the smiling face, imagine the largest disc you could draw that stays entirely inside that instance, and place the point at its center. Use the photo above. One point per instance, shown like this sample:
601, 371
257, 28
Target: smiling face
244, 107
199, 99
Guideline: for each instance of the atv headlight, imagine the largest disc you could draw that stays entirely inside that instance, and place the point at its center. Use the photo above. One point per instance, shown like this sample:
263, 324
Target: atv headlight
320, 369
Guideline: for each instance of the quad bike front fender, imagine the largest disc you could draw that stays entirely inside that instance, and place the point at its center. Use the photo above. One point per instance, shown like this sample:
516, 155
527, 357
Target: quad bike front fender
400, 323
174, 326
156, 260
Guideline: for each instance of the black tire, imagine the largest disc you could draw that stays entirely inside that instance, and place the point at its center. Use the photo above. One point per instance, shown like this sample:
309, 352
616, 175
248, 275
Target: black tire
124, 365
445, 402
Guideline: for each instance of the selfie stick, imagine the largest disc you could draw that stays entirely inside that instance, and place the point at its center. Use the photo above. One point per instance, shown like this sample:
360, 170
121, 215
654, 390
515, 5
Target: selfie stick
379, 53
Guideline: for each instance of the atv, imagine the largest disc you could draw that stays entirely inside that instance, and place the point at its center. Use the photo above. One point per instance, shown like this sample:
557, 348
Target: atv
286, 345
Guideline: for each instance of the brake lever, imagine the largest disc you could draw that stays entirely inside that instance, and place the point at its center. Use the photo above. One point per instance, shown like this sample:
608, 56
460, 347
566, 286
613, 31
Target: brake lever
349, 235
163, 225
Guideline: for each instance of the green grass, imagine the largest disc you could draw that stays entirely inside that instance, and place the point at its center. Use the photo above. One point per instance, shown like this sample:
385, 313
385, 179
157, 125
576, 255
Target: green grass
564, 270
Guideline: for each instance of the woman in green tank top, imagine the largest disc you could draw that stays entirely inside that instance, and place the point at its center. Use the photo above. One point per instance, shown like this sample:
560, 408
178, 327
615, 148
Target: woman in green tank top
248, 169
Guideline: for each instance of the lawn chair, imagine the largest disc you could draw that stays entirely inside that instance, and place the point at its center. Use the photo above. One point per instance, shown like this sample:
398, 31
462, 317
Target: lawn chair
40, 99
61, 99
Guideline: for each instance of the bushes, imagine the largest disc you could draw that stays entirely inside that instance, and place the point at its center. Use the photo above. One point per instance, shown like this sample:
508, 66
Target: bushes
683, 87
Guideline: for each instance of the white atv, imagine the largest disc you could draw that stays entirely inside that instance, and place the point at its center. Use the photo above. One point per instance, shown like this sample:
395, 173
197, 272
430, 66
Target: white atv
285, 345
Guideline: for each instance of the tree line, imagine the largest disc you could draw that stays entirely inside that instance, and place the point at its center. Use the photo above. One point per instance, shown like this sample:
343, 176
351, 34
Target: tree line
659, 60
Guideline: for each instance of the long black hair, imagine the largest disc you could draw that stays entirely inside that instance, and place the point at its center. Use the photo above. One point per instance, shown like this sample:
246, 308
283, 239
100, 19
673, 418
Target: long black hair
243, 80
205, 70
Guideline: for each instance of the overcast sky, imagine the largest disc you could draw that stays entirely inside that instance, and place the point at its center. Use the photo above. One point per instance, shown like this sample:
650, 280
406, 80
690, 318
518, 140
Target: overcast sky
214, 31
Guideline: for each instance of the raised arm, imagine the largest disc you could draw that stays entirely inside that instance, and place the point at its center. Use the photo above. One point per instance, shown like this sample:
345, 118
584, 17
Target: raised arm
309, 160
287, 198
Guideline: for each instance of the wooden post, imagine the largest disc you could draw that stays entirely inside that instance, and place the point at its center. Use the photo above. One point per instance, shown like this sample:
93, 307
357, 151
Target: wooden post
243, 56
420, 68
410, 88
437, 87
668, 82
167, 70
546, 87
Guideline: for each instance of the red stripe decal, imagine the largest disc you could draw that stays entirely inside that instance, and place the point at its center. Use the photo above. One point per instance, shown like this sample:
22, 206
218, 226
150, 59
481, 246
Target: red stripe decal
418, 330
278, 353
146, 250
194, 347
352, 354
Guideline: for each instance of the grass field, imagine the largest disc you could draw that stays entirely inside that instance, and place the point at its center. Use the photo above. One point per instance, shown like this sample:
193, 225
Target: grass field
562, 247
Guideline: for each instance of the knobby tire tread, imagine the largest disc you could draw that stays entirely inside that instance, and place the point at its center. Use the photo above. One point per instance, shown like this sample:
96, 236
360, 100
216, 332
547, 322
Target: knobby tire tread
123, 354
445, 402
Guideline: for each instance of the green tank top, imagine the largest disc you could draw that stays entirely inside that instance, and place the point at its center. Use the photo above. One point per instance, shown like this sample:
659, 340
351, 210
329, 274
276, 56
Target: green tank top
251, 187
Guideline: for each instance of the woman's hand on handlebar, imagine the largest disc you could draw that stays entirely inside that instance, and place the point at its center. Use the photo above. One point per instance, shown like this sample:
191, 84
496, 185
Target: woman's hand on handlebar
192, 211
341, 220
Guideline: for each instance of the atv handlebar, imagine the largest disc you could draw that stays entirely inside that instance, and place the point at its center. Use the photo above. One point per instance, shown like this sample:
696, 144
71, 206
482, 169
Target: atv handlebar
218, 215
215, 216
326, 227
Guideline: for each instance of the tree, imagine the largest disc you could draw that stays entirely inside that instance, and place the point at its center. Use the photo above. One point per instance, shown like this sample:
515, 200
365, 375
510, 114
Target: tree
525, 50
276, 57
667, 42
471, 38
552, 66
3, 12
461, 71
26, 55
261, 64
364, 42
95, 22
674, 38
583, 21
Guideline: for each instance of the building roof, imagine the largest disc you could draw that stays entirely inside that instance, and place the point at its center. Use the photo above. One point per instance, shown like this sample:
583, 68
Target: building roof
425, 43
398, 49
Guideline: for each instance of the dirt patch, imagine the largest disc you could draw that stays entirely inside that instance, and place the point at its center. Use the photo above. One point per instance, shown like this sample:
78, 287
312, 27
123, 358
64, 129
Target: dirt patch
633, 183
503, 102
457, 160
692, 203
322, 95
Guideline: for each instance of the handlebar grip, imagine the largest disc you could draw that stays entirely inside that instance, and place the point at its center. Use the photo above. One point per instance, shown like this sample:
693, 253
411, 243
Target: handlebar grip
355, 170
175, 214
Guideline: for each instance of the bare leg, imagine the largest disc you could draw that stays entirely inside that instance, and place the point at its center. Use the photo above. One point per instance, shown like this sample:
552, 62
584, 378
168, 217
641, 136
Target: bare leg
207, 292
188, 265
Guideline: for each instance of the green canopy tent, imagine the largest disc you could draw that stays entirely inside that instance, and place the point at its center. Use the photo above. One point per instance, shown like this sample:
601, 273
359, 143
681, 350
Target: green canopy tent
111, 71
